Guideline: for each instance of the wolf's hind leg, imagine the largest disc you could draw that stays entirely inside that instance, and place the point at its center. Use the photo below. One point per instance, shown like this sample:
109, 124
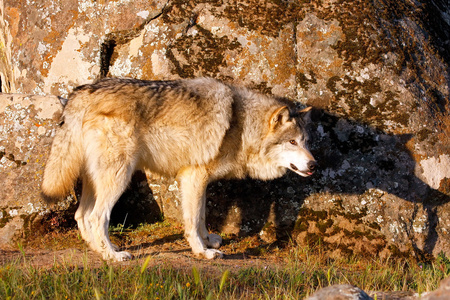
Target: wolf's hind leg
110, 175
111, 153
193, 182
99, 220
84, 210
87, 202
107, 196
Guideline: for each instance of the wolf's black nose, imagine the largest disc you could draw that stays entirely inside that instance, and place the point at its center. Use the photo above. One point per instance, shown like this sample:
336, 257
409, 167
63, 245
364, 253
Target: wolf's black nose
312, 165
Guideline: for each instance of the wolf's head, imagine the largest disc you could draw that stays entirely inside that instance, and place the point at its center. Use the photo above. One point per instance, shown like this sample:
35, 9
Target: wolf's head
287, 141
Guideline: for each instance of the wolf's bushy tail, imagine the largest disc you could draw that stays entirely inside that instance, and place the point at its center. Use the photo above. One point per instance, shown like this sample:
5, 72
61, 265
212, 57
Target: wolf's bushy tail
64, 163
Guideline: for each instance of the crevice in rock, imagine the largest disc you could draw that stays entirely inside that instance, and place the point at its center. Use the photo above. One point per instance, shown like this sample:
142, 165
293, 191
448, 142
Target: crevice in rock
106, 52
5, 85
436, 13
114, 39
191, 22
294, 41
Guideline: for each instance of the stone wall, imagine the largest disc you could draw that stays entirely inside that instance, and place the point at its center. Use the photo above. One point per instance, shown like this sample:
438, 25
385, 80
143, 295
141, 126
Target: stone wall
376, 70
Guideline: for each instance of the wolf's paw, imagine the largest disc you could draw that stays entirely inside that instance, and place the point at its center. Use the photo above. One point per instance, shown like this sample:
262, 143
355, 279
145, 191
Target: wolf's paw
213, 241
119, 256
212, 254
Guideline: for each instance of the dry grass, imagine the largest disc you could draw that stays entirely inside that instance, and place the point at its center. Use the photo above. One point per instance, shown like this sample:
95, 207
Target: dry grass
165, 269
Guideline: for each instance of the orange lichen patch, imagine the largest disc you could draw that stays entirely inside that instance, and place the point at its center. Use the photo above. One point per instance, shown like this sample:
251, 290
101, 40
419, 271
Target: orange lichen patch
52, 37
13, 17
55, 39
284, 60
411, 145
335, 67
147, 70
444, 186
47, 61
316, 55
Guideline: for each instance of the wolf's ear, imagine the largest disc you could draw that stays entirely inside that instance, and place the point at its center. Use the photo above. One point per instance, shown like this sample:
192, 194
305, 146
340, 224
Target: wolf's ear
279, 117
305, 114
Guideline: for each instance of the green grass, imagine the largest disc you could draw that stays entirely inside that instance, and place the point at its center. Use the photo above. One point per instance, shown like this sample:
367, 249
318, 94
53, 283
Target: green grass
106, 282
303, 272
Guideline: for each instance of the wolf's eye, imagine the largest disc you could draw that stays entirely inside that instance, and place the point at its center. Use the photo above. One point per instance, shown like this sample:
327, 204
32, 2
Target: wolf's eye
293, 142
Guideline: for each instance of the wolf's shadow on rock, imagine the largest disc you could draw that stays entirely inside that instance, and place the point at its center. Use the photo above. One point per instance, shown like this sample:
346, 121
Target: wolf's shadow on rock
354, 159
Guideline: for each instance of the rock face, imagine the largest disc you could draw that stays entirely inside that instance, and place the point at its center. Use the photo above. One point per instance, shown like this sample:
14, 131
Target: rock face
27, 124
340, 292
350, 292
377, 72
443, 292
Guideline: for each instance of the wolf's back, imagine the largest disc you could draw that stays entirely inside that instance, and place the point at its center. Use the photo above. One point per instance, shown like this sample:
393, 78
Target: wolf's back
65, 161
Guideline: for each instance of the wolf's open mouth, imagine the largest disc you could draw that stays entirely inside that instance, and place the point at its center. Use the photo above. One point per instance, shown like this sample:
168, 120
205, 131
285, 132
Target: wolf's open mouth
303, 173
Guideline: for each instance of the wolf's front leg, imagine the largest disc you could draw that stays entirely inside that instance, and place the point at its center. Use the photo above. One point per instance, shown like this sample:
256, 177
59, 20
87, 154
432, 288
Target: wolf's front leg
193, 182
211, 240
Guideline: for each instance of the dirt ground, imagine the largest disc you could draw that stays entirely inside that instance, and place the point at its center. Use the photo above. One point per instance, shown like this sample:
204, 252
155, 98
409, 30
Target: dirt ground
163, 242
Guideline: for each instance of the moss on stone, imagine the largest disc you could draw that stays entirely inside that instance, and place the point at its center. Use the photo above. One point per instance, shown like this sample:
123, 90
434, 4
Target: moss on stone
6, 217
323, 226
211, 47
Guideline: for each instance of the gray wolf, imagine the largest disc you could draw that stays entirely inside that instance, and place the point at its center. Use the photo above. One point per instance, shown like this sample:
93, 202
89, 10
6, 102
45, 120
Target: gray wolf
198, 130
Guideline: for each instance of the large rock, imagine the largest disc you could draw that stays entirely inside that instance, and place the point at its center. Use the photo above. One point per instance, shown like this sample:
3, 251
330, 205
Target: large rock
340, 292
377, 71
442, 293
349, 292
27, 125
